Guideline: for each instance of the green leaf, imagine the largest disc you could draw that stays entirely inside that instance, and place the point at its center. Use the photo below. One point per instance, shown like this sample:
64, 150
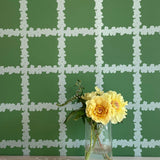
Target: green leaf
69, 116
76, 114
80, 114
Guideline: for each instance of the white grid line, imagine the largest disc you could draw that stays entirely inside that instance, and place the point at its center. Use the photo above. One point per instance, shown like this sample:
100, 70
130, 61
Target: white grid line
61, 32
144, 30
68, 32
77, 143
72, 32
24, 76
76, 69
62, 76
137, 77
10, 70
98, 43
9, 32
49, 106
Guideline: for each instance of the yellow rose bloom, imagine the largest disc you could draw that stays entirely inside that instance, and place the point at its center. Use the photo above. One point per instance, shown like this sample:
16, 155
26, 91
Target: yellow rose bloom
98, 109
118, 111
89, 96
98, 91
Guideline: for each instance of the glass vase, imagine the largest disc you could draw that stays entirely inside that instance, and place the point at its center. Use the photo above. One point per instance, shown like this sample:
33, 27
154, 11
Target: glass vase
98, 141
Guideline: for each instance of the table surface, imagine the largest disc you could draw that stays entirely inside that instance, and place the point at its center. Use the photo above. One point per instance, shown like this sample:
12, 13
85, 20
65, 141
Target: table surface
69, 158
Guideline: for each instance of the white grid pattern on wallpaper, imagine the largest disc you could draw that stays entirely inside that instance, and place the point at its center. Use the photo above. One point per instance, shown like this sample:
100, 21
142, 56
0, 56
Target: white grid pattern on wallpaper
61, 69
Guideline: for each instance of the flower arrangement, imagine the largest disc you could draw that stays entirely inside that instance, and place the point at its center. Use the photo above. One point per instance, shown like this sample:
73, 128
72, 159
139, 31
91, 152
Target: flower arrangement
98, 109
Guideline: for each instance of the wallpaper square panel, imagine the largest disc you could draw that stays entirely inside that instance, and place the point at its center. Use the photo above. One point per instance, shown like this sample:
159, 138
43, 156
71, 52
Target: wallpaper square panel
10, 51
150, 46
150, 16
118, 49
150, 93
117, 13
42, 14
43, 88
9, 14
47, 130
80, 50
45, 151
10, 85
11, 151
46, 46
79, 13
11, 128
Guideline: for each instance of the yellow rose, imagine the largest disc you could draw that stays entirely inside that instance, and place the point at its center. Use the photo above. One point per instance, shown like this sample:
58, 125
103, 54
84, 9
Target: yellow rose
98, 109
118, 111
88, 96
98, 91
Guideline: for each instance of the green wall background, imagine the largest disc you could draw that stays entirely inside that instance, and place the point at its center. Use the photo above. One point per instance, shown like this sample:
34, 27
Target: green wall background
46, 45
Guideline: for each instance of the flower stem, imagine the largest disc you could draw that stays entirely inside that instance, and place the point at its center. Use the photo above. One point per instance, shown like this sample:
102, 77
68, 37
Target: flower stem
90, 147
106, 155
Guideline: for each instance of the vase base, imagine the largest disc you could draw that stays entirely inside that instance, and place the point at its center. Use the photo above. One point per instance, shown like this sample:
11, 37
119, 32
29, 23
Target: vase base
100, 153
99, 157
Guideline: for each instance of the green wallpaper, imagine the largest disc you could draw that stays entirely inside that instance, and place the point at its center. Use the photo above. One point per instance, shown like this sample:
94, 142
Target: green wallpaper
46, 45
